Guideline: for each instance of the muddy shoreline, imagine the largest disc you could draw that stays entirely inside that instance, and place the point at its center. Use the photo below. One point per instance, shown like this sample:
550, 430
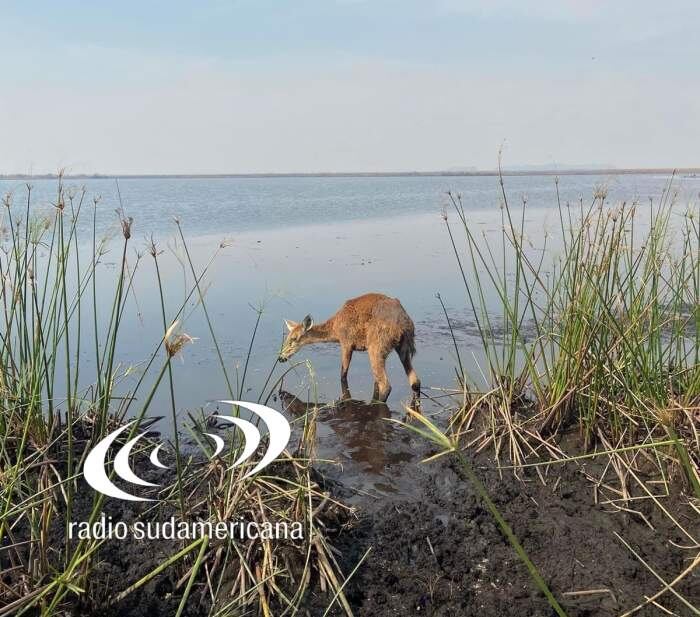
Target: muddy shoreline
438, 551
443, 554
431, 548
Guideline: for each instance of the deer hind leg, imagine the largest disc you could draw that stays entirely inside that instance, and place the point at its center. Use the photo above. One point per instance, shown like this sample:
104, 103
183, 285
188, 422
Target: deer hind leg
413, 379
382, 387
345, 358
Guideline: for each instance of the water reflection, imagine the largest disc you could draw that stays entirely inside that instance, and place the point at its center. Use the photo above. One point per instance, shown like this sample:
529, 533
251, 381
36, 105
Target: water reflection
359, 432
355, 236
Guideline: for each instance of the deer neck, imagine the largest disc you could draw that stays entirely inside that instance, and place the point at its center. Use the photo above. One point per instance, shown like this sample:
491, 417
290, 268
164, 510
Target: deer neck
321, 333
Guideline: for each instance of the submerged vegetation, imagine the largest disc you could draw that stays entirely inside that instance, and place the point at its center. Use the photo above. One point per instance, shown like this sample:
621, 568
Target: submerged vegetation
55, 337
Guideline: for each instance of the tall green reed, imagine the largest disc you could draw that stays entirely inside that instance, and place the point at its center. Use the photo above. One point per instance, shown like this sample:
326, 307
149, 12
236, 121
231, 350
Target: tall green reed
601, 331
49, 300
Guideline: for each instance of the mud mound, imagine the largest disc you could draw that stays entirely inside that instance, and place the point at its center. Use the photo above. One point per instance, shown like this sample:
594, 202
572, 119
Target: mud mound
444, 554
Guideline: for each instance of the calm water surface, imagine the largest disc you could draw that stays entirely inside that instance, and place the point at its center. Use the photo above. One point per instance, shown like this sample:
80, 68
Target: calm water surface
233, 205
298, 246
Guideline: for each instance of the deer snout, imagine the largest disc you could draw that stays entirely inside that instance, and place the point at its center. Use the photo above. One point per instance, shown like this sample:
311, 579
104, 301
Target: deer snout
281, 358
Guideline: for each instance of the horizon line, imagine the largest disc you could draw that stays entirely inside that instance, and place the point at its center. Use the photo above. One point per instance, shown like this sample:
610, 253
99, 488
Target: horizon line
572, 171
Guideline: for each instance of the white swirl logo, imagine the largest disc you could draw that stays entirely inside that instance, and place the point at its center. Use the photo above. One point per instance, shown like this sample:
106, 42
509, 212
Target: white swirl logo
96, 474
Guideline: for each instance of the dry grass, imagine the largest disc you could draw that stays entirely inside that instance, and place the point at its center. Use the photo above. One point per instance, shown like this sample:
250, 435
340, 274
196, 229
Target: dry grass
50, 317
600, 337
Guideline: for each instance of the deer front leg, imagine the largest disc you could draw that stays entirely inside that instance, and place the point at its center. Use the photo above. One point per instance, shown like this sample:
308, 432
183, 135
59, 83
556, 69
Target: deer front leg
345, 358
382, 387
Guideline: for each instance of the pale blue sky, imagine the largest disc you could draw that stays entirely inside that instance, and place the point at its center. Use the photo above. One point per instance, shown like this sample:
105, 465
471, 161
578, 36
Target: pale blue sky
353, 85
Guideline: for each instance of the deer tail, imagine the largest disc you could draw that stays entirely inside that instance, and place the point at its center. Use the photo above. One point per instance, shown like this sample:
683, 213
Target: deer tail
408, 345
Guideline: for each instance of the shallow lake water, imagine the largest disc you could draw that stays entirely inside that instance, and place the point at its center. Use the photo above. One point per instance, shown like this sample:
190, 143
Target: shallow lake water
297, 246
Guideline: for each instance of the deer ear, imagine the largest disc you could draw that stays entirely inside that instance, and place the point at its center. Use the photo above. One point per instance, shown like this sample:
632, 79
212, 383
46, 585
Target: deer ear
290, 324
307, 323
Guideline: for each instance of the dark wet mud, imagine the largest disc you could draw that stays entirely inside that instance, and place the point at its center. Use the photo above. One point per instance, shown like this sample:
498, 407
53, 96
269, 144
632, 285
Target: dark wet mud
431, 548
444, 555
427, 544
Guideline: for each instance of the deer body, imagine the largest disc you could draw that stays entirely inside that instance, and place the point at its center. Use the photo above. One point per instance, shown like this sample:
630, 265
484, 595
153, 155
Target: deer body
374, 323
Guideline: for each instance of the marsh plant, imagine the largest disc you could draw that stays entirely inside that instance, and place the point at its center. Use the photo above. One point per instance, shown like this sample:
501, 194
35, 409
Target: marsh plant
597, 335
63, 388
601, 333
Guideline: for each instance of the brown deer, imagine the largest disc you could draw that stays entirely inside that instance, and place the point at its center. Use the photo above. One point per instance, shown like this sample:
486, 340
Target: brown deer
373, 323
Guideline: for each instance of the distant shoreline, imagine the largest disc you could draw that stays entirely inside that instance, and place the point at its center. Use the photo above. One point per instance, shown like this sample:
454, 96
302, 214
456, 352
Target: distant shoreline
684, 171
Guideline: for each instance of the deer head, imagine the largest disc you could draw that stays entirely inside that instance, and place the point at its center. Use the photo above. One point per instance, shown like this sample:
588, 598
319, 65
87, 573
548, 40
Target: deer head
296, 337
